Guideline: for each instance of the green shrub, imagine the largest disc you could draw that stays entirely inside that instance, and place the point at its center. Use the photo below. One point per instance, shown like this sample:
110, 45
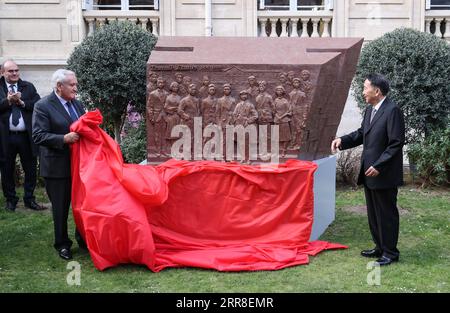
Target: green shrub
111, 70
134, 143
417, 65
431, 157
348, 163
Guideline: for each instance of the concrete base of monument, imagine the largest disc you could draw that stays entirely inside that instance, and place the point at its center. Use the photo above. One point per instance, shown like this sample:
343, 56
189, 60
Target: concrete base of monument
324, 195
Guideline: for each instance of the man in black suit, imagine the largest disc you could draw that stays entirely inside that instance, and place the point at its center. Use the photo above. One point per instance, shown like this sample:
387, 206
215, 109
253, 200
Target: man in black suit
2, 155
382, 134
17, 99
52, 118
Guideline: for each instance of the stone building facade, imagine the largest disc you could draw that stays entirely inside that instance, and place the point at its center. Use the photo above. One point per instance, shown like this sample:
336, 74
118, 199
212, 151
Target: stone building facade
40, 34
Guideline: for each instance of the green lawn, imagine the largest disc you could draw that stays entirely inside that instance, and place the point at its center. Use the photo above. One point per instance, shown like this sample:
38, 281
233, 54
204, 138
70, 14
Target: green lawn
28, 262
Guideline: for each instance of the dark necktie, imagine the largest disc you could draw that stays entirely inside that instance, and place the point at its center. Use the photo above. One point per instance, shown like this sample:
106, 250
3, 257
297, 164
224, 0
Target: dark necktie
72, 113
373, 115
15, 109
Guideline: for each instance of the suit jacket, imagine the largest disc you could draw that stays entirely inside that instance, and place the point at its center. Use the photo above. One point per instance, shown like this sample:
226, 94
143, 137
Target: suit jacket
382, 141
30, 97
50, 123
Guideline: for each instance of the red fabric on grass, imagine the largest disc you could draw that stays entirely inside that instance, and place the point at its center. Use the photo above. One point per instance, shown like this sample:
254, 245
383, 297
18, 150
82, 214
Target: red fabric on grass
224, 216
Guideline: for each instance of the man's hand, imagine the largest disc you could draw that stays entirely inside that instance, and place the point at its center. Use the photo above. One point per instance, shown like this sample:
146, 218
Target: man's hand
371, 172
14, 98
335, 144
71, 137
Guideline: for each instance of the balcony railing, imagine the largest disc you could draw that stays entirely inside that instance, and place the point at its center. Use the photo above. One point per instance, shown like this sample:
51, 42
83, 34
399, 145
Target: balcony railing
295, 24
148, 20
437, 22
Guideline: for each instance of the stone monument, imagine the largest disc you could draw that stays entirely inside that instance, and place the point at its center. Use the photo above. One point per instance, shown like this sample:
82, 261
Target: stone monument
299, 84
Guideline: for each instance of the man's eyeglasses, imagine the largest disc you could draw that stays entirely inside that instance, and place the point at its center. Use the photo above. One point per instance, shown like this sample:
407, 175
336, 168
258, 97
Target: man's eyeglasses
13, 71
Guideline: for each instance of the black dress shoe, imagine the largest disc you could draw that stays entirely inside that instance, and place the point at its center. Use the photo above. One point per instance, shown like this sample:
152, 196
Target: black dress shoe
374, 253
384, 260
34, 206
65, 253
10, 206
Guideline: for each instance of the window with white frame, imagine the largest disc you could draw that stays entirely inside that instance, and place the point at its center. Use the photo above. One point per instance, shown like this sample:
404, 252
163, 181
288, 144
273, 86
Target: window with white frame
439, 4
125, 5
295, 5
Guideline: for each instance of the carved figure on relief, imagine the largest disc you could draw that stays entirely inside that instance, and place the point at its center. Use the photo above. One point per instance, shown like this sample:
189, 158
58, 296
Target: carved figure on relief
306, 85
297, 99
182, 91
290, 81
225, 107
264, 105
189, 108
244, 114
208, 106
152, 79
282, 117
253, 89
171, 116
155, 113
203, 91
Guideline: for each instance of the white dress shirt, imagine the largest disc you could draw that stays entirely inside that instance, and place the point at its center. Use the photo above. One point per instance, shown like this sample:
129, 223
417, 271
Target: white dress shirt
377, 107
64, 104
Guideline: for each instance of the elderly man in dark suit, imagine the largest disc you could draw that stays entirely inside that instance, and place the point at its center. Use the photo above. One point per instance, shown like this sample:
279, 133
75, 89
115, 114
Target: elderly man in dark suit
17, 99
2, 154
382, 135
52, 118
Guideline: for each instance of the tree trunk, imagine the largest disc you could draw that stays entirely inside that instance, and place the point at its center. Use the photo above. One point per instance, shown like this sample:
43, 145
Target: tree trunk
119, 120
117, 129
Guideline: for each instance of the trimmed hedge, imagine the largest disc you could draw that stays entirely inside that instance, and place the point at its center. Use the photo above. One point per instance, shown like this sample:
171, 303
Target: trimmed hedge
431, 157
417, 65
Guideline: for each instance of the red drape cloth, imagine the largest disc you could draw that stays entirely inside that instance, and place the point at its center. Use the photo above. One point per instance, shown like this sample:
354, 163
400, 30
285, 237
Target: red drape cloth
225, 216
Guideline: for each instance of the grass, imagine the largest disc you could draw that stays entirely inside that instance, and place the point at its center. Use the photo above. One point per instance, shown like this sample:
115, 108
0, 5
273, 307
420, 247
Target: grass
28, 262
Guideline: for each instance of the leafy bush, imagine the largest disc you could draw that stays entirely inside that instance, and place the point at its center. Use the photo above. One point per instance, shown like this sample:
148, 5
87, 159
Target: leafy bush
417, 66
431, 157
134, 143
347, 166
111, 70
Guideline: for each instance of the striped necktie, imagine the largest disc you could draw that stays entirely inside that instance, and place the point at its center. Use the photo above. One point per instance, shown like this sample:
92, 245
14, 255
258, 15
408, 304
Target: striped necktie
374, 111
15, 111
72, 113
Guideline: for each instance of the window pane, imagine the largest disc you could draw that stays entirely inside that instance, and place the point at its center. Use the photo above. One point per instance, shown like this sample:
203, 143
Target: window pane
107, 5
310, 4
276, 4
142, 4
440, 4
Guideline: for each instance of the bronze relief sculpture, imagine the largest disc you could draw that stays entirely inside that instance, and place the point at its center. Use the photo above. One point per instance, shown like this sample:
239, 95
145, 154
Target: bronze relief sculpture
301, 93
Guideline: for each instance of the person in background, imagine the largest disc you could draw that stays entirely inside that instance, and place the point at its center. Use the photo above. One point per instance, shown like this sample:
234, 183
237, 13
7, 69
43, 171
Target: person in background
17, 100
2, 155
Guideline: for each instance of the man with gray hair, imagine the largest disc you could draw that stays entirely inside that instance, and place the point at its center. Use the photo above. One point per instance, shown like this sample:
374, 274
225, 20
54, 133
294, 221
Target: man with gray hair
17, 100
52, 118
382, 134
